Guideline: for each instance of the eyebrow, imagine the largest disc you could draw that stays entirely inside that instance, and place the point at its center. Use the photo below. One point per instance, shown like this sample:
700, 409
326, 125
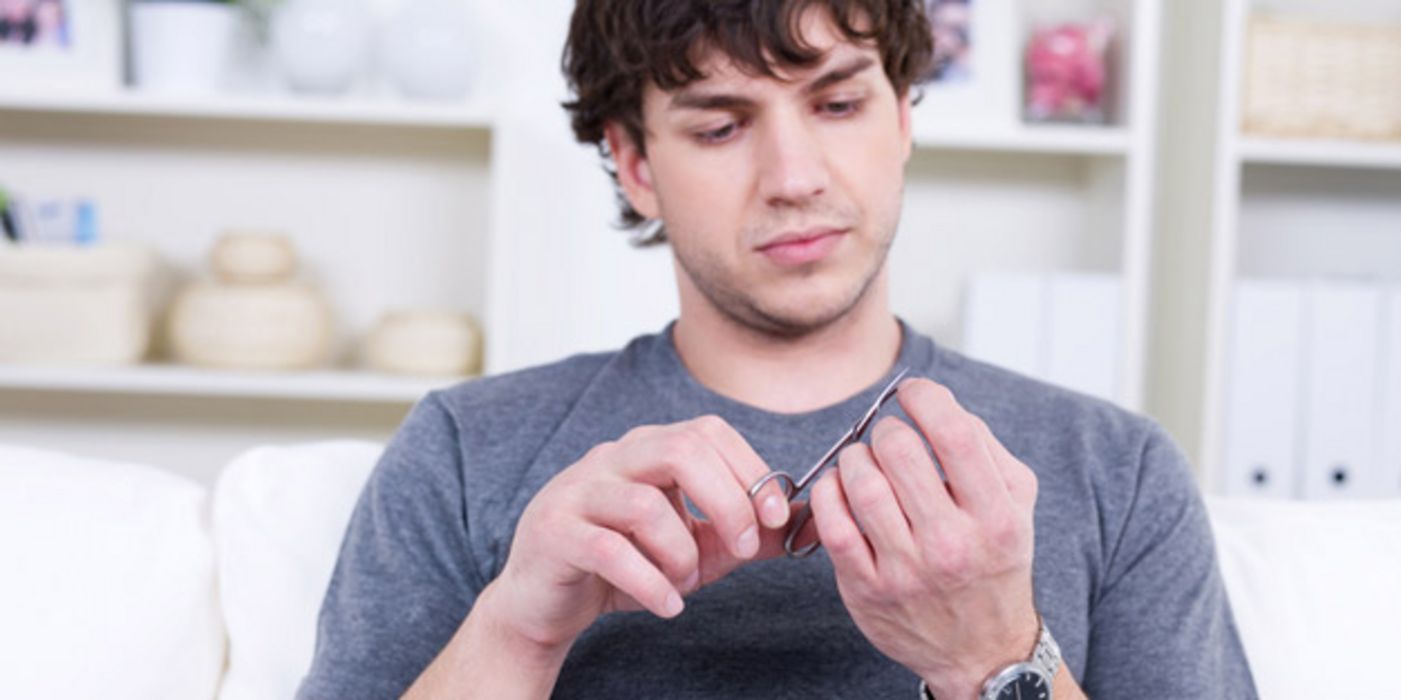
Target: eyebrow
719, 101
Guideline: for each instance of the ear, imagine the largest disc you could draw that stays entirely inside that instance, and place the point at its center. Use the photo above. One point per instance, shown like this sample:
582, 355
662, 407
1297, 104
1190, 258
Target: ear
634, 173
906, 133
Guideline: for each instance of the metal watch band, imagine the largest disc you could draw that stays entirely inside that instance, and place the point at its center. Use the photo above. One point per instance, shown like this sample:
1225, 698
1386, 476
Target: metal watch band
1045, 656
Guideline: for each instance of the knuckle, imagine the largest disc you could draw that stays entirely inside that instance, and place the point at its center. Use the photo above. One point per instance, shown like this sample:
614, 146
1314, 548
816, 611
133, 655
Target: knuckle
603, 547
961, 437
680, 448
645, 504
900, 445
1004, 533
709, 425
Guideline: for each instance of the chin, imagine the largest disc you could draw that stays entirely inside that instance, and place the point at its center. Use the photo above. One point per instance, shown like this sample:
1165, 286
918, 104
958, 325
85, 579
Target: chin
801, 315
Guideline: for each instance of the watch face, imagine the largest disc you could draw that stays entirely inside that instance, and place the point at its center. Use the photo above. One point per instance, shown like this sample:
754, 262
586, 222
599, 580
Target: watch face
1026, 686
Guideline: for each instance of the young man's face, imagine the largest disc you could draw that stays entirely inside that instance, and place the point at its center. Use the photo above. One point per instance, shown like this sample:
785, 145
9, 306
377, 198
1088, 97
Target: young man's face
780, 199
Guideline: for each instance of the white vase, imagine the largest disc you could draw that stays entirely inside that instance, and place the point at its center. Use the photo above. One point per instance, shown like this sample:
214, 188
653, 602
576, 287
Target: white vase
428, 49
182, 47
321, 45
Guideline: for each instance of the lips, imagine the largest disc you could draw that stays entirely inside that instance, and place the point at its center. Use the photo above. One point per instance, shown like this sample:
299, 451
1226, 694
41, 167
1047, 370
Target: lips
802, 247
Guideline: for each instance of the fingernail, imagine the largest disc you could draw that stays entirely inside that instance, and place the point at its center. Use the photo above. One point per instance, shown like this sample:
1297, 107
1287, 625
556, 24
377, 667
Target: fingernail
748, 543
691, 581
673, 605
774, 512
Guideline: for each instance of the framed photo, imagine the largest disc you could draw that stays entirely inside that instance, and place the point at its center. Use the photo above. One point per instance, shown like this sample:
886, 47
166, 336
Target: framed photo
975, 77
60, 45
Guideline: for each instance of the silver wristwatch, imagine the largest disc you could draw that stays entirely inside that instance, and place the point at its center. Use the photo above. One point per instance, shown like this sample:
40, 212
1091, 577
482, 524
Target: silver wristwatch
1028, 680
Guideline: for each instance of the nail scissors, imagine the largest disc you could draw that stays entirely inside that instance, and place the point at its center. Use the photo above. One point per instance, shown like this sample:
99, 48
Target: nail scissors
793, 488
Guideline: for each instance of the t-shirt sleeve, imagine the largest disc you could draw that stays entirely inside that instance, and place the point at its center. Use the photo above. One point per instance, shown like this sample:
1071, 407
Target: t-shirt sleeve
1161, 625
404, 579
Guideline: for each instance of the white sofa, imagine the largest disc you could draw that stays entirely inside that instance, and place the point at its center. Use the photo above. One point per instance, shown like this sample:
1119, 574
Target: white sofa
124, 581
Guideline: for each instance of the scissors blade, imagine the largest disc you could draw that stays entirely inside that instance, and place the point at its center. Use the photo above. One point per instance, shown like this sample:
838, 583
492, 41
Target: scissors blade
852, 435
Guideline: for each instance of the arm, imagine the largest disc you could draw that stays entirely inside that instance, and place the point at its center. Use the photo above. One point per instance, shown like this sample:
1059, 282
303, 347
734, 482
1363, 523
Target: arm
1162, 610
610, 533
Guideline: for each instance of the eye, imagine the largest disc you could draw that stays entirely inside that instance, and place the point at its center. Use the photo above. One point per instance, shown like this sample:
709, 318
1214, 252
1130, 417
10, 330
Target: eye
840, 108
716, 135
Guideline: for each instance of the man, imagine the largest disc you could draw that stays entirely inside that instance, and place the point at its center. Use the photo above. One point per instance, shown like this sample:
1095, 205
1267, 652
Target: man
531, 534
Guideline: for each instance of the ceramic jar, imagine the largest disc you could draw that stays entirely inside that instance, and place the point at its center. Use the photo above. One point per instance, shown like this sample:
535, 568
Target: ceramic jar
254, 314
426, 343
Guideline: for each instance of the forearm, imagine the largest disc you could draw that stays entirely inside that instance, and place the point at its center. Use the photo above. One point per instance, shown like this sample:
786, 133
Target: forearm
485, 659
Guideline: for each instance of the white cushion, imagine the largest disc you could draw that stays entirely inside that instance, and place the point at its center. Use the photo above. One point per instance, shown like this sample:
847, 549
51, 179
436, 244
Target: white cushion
1315, 592
107, 588
279, 516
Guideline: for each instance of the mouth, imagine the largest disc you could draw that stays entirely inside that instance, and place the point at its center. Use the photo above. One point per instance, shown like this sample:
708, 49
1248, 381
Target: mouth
802, 247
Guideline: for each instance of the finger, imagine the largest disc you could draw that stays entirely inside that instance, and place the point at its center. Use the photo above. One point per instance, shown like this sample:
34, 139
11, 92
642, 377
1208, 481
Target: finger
873, 504
902, 457
1019, 478
846, 546
679, 456
716, 561
974, 478
613, 558
748, 466
645, 513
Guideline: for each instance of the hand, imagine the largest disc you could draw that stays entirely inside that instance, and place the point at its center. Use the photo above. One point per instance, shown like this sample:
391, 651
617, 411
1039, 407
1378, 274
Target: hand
936, 575
612, 532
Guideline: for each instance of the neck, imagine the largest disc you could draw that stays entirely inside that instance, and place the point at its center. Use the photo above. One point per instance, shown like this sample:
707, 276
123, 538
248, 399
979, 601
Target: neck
789, 375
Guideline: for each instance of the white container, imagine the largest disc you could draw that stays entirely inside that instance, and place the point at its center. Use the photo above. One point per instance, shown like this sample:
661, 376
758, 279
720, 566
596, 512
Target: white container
425, 343
76, 306
321, 45
428, 49
276, 326
182, 47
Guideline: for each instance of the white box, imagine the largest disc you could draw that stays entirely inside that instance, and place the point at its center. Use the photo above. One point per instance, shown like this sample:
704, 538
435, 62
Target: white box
1082, 349
91, 306
1389, 427
1261, 393
1004, 321
1341, 391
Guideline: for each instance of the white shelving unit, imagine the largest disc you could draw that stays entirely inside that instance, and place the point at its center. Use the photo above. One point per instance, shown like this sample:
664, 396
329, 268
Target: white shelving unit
270, 108
1252, 207
176, 380
1001, 195
490, 207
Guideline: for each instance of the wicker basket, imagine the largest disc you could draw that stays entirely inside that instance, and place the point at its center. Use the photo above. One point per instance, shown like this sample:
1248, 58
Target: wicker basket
1307, 78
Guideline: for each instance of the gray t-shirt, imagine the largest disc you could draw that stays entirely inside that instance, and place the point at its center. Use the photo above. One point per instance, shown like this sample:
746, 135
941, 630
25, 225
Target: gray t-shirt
1125, 572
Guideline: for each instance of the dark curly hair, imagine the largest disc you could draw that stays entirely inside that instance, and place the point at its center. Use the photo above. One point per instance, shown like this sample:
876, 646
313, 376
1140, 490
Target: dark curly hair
617, 47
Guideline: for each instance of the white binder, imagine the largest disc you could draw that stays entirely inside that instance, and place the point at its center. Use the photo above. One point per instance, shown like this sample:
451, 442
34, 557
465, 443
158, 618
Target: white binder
1389, 427
1341, 391
1083, 347
1003, 321
1261, 392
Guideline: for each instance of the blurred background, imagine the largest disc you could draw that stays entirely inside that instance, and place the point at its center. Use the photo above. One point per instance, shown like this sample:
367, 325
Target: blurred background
232, 224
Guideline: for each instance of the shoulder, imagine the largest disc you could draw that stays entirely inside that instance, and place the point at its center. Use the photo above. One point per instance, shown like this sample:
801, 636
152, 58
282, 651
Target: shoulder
1041, 416
508, 403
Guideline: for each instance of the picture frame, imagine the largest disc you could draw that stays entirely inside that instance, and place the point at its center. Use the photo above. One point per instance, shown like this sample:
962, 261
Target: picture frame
977, 80
60, 45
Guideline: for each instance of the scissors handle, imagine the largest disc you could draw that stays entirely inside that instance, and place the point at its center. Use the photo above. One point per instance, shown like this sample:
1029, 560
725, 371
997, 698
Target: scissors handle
785, 482
800, 516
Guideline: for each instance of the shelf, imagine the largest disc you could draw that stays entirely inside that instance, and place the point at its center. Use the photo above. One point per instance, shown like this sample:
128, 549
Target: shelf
173, 380
1376, 155
356, 111
1051, 139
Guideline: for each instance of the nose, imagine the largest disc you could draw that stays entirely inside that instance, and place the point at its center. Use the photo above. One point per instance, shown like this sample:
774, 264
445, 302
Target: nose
792, 164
